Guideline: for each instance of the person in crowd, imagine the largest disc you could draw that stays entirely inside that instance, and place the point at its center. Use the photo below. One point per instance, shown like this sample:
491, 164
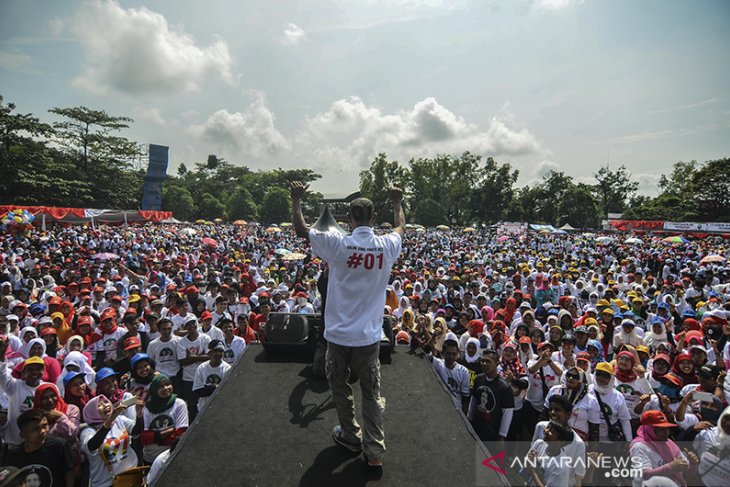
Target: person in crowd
210, 374
492, 402
165, 418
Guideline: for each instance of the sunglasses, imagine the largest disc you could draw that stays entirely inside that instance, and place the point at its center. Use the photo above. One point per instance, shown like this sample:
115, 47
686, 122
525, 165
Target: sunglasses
603, 375
572, 376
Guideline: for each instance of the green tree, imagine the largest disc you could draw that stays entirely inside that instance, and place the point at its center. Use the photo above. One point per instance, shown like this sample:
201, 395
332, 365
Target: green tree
275, 207
712, 190
177, 199
182, 169
494, 191
578, 207
614, 189
240, 205
429, 213
211, 208
374, 184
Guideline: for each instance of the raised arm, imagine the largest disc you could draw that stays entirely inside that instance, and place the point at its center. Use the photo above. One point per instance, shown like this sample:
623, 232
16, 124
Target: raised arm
399, 218
297, 189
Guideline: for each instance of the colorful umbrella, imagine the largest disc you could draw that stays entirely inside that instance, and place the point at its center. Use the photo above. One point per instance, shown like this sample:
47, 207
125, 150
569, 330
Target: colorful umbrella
294, 256
633, 240
273, 229
285, 224
105, 256
282, 251
468, 230
240, 223
188, 231
443, 227
502, 238
675, 240
712, 258
200, 222
209, 242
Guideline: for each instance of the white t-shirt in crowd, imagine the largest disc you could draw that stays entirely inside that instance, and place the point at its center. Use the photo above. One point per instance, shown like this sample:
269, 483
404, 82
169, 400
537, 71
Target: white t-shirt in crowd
174, 417
207, 375
584, 411
575, 449
535, 395
457, 380
165, 355
234, 350
116, 448
197, 347
360, 266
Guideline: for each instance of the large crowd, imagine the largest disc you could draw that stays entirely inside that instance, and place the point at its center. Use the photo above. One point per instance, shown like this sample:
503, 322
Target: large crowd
114, 339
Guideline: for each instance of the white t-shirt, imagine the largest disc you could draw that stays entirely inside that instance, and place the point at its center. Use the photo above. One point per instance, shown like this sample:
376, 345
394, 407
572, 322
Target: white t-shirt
156, 467
535, 396
174, 417
359, 266
584, 411
644, 456
117, 449
197, 347
178, 321
617, 412
456, 379
165, 355
550, 468
207, 375
20, 397
108, 343
575, 449
214, 333
632, 392
234, 350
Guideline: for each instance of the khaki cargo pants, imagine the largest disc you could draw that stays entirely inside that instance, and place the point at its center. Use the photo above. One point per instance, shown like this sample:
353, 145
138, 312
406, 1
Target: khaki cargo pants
365, 363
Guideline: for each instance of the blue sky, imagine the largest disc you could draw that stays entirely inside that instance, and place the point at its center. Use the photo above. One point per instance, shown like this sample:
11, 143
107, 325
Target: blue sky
550, 84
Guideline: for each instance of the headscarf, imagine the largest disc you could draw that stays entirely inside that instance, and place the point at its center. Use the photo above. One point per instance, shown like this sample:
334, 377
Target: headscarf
598, 346
652, 339
668, 449
475, 327
409, 320
687, 378
156, 404
61, 405
471, 358
403, 305
515, 365
661, 356
510, 308
574, 396
556, 343
487, 313
723, 439
79, 360
91, 411
25, 350
79, 401
626, 375
64, 331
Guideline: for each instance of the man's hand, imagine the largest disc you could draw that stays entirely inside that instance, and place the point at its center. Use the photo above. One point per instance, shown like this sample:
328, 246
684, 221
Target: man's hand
297, 189
395, 193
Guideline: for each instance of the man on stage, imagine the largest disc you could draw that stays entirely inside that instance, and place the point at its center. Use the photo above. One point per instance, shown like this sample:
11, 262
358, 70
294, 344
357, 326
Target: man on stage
359, 270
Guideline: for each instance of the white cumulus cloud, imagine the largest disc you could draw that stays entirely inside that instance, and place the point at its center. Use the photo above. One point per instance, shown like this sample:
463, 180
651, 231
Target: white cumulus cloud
136, 51
293, 34
250, 134
351, 132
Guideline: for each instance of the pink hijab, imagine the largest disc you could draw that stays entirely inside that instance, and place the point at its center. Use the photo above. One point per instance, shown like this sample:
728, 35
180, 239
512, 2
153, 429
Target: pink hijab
668, 450
91, 410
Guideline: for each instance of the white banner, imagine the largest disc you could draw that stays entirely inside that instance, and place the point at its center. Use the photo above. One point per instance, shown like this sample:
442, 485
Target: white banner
719, 227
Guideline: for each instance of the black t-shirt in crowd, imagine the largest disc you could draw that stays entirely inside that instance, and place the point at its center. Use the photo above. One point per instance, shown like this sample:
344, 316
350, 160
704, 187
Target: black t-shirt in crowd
43, 467
491, 397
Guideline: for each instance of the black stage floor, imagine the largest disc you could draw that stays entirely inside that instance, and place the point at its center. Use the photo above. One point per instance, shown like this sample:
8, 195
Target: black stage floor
271, 425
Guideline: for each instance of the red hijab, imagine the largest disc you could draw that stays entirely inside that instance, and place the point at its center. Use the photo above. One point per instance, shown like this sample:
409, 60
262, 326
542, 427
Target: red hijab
626, 375
61, 405
690, 378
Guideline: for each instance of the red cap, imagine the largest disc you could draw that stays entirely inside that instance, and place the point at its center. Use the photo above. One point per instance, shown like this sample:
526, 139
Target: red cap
301, 294
655, 418
171, 287
83, 320
264, 294
243, 300
545, 344
192, 290
49, 331
207, 315
132, 342
525, 340
54, 300
73, 285
117, 298
108, 313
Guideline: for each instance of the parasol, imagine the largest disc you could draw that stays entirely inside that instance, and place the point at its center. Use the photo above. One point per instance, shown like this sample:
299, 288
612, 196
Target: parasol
273, 229
443, 227
240, 223
502, 238
712, 258
633, 240
209, 242
294, 256
105, 256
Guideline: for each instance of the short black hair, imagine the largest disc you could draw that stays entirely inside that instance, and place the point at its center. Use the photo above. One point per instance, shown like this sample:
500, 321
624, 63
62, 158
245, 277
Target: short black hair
561, 401
30, 416
565, 433
362, 209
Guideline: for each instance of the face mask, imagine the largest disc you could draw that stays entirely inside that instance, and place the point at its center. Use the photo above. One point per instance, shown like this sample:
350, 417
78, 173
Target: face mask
710, 414
301, 301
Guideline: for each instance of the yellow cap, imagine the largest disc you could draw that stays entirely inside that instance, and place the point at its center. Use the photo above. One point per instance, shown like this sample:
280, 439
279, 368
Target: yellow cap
33, 361
604, 367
